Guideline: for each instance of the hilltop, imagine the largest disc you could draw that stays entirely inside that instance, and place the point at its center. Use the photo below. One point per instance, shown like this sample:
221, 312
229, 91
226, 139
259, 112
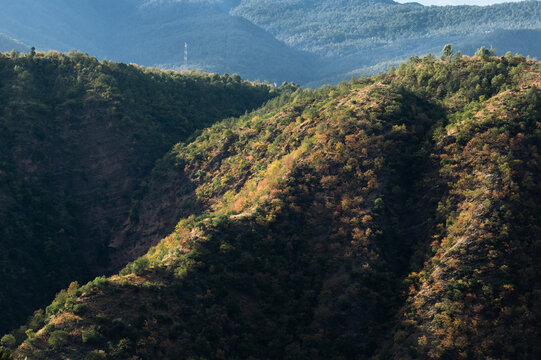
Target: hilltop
395, 216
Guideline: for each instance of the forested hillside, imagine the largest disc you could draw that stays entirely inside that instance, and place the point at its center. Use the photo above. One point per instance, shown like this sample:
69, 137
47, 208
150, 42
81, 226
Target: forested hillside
389, 217
342, 27
304, 41
77, 138
515, 41
356, 35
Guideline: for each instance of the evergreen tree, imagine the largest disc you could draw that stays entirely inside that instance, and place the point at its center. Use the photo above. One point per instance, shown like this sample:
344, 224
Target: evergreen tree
447, 52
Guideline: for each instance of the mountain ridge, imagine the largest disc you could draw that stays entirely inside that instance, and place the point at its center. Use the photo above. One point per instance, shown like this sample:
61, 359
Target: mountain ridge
388, 217
78, 138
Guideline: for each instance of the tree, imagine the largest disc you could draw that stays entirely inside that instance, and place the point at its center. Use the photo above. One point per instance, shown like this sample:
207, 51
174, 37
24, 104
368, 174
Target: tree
447, 52
8, 341
96, 355
58, 339
5, 355
484, 53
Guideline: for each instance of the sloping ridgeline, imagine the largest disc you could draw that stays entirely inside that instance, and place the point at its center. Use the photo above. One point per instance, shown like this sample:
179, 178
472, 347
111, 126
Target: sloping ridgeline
153, 33
77, 137
389, 217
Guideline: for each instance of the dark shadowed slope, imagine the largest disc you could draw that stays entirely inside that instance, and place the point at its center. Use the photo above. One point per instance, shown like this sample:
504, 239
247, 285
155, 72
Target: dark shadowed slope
77, 138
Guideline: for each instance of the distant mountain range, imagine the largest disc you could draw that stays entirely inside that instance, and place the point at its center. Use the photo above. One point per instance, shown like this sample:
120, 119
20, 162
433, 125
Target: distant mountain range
306, 41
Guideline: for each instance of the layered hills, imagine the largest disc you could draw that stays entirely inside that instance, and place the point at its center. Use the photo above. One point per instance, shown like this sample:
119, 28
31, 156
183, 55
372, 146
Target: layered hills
305, 41
395, 216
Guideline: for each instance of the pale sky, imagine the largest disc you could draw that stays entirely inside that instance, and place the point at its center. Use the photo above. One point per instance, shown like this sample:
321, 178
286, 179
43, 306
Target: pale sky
457, 2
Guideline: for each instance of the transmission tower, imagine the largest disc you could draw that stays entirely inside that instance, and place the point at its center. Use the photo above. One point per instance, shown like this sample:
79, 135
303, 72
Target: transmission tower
185, 56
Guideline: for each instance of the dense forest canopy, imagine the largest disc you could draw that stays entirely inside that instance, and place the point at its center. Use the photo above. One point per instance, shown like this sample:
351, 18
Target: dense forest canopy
395, 216
77, 138
333, 27
390, 216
